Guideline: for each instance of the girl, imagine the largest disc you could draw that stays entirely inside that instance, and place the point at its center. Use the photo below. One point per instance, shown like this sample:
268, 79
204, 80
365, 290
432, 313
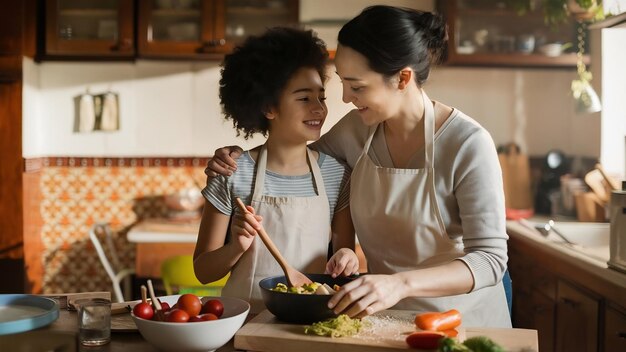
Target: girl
273, 85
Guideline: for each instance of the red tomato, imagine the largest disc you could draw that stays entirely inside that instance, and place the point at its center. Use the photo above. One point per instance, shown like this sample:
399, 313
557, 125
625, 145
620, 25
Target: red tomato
177, 316
425, 340
190, 303
165, 306
143, 310
214, 306
195, 319
208, 316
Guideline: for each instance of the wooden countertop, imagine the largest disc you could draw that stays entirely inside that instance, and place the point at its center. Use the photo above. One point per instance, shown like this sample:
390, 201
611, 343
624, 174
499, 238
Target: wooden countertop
164, 231
572, 263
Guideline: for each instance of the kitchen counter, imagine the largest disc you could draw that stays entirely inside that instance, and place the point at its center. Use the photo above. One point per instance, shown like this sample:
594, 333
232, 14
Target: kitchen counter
564, 259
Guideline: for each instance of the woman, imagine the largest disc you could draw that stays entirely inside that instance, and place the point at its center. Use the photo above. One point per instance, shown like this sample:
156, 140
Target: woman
426, 187
273, 84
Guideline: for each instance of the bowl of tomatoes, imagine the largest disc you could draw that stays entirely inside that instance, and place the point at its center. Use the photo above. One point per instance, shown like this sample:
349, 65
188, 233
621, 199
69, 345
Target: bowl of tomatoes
191, 323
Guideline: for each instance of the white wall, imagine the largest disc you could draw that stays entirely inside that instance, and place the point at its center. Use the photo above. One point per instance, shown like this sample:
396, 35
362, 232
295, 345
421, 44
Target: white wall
172, 108
613, 95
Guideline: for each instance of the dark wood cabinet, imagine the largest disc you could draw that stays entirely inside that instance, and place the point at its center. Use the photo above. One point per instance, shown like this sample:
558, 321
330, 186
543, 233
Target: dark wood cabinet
179, 29
575, 304
576, 320
614, 328
534, 298
491, 33
89, 28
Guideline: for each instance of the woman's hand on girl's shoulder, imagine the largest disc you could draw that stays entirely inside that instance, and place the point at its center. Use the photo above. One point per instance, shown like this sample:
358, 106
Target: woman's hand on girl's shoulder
224, 161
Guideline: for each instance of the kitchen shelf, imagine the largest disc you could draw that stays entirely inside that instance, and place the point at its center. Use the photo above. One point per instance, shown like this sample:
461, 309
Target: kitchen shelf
88, 13
175, 13
257, 11
511, 60
491, 35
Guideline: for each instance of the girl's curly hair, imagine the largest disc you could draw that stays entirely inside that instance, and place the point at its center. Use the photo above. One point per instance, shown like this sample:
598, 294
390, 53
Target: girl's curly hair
256, 72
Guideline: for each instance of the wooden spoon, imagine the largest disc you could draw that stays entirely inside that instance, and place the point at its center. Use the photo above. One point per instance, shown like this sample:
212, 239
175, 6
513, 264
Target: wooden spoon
294, 277
158, 310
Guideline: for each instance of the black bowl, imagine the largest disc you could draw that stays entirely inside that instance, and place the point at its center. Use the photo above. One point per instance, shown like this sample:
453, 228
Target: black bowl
297, 308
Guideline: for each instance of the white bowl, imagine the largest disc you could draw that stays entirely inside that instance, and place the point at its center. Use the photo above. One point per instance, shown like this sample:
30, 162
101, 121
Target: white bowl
189, 199
552, 50
197, 336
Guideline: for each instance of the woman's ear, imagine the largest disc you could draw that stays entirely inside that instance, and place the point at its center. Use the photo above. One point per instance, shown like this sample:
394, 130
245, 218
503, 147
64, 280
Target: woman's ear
405, 76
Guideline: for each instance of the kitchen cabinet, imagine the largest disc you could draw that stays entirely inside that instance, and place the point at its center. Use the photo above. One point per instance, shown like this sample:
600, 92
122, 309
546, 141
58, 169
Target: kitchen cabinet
89, 28
577, 320
181, 29
614, 328
576, 304
491, 33
205, 28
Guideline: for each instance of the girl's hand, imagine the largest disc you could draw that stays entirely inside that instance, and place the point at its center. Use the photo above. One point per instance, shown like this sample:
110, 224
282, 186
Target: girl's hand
243, 228
343, 262
367, 295
223, 162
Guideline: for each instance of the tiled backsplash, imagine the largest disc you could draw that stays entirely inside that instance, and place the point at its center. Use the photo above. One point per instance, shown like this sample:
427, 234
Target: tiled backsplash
75, 193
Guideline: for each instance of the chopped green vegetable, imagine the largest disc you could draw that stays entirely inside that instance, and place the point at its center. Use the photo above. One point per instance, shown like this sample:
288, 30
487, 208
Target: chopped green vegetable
448, 344
482, 344
341, 326
473, 344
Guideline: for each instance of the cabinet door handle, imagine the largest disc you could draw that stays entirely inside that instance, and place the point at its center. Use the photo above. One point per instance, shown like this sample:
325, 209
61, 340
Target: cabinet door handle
210, 44
570, 302
621, 335
123, 44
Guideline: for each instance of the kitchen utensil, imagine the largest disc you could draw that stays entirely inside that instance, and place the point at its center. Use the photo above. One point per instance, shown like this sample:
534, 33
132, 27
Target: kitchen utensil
612, 183
294, 277
299, 308
195, 336
618, 229
549, 226
595, 181
158, 310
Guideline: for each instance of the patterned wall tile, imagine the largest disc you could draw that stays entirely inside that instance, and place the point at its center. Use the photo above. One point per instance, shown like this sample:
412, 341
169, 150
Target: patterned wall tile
77, 193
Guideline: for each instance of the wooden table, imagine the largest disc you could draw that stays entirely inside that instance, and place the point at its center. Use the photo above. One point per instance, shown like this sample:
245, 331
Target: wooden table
64, 332
159, 239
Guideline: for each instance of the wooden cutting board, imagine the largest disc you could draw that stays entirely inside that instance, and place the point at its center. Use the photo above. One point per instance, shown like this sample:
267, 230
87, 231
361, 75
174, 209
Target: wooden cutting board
387, 332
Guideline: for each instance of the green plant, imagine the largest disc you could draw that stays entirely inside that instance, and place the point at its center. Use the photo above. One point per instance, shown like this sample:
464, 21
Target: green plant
559, 11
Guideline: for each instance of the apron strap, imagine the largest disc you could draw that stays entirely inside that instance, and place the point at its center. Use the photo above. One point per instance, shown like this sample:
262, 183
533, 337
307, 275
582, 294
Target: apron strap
429, 132
318, 181
261, 166
259, 182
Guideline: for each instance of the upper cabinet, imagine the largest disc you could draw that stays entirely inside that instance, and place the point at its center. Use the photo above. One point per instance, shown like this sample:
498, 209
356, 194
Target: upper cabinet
490, 33
185, 29
89, 28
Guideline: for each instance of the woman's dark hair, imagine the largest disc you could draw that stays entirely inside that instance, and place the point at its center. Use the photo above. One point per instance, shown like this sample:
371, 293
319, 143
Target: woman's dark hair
392, 38
256, 72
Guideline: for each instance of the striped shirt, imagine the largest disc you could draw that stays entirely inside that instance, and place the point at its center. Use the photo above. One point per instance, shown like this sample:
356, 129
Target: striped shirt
221, 191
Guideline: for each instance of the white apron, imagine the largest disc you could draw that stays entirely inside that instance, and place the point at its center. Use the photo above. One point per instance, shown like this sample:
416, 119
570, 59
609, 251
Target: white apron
397, 220
300, 228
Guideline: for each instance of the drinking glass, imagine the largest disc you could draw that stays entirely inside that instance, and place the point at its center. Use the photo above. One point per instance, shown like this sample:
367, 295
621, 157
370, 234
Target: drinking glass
94, 321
